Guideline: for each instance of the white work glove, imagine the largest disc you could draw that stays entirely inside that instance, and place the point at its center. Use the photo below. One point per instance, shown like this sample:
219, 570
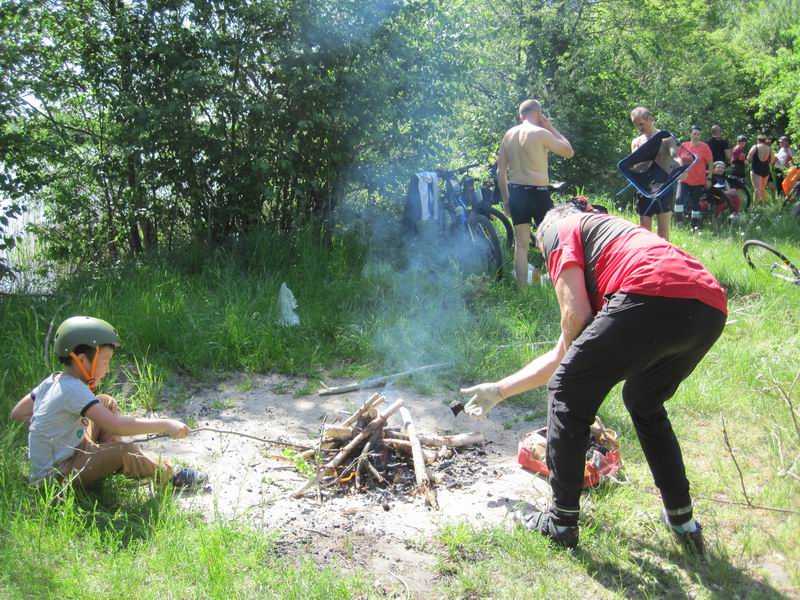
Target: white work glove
484, 398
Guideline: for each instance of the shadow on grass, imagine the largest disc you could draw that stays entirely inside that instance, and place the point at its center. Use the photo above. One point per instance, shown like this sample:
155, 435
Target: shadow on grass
720, 579
124, 510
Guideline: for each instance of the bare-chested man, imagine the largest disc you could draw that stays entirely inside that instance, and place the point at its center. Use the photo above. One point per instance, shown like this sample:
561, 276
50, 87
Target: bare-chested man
523, 179
642, 119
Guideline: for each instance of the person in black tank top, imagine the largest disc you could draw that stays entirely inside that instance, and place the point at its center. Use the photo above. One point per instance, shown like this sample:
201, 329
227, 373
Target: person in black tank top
759, 170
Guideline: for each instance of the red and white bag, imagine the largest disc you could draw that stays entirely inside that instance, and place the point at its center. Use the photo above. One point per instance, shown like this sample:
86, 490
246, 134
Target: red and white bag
604, 460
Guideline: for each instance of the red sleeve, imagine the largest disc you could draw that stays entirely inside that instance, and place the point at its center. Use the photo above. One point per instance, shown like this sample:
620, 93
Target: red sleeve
570, 249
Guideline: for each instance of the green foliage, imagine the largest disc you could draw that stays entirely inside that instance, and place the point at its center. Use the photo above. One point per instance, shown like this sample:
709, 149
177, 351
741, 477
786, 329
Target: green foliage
139, 124
200, 120
196, 313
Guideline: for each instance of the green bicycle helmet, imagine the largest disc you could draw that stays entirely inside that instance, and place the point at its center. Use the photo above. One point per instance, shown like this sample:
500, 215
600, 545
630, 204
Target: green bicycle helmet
84, 331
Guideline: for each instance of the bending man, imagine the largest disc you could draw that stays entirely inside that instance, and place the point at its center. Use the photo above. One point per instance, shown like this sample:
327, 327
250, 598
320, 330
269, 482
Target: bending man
523, 177
634, 308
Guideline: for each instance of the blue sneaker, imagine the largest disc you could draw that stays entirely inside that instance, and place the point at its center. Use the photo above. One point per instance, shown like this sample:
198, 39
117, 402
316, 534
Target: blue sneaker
188, 479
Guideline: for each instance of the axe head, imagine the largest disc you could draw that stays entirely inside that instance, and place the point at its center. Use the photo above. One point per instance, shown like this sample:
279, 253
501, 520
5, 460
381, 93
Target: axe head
456, 407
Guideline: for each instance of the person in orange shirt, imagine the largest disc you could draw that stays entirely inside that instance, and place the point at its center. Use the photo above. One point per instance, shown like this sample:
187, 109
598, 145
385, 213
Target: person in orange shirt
698, 178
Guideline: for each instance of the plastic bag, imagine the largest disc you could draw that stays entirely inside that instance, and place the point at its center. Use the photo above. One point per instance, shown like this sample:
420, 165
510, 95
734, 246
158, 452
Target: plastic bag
602, 456
534, 276
286, 306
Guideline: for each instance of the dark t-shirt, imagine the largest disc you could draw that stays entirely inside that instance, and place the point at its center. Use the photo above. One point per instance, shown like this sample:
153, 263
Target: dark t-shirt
718, 147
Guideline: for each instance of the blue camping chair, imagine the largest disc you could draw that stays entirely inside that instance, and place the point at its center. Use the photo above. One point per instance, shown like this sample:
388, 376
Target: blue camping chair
652, 181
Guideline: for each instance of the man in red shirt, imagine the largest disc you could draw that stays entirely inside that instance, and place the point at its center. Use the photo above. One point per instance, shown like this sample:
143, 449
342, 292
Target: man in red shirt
697, 178
634, 308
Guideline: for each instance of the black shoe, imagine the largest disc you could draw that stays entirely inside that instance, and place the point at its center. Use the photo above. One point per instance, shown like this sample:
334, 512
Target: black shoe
535, 520
692, 542
188, 479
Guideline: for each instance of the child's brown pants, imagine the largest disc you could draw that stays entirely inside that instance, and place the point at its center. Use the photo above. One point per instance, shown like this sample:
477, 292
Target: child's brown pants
101, 454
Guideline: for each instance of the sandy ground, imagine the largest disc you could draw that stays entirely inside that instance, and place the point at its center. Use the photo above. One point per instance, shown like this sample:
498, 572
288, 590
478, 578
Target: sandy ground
383, 532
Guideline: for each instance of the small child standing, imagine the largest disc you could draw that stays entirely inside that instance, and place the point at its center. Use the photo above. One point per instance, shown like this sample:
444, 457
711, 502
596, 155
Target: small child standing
74, 433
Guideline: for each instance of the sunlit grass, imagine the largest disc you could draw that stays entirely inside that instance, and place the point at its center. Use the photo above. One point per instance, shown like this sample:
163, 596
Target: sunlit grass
189, 317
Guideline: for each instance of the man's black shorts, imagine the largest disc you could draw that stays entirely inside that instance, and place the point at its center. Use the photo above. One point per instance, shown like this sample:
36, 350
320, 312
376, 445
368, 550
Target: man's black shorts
647, 207
528, 203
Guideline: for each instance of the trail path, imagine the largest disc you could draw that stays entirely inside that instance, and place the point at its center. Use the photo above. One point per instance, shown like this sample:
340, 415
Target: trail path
378, 531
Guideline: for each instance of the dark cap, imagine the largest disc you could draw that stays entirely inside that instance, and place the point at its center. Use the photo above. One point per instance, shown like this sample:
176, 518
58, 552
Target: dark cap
741, 138
696, 127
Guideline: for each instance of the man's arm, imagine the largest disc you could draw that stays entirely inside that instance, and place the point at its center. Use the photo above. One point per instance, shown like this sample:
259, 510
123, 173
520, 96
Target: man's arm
502, 174
23, 411
728, 155
555, 142
576, 314
709, 169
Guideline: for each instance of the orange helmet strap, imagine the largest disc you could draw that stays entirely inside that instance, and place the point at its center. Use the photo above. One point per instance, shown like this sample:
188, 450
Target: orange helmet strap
88, 377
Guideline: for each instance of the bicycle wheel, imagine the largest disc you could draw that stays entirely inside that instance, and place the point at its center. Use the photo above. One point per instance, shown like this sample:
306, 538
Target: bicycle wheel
763, 257
484, 237
748, 197
500, 216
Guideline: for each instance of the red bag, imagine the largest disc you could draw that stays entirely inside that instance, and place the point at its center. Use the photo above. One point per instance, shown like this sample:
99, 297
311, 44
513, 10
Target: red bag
605, 460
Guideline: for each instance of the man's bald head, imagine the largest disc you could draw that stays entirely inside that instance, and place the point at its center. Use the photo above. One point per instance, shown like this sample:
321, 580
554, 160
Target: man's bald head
529, 108
716, 130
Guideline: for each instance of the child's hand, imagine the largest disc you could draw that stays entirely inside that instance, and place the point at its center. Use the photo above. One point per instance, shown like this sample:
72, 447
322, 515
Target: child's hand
176, 429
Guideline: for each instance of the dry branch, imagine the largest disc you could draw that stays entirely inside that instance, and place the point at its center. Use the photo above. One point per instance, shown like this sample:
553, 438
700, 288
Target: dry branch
473, 438
374, 382
423, 483
374, 400
354, 443
406, 446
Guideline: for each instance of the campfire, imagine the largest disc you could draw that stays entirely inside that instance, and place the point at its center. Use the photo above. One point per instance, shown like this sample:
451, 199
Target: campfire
363, 452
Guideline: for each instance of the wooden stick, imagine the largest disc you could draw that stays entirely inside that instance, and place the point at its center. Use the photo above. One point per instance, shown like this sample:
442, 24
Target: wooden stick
375, 472
423, 483
335, 432
354, 443
150, 438
361, 458
374, 382
746, 505
352, 419
473, 438
735, 462
406, 446
318, 459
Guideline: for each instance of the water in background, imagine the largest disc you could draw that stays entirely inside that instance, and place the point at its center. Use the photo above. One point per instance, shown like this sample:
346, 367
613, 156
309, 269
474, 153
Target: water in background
30, 274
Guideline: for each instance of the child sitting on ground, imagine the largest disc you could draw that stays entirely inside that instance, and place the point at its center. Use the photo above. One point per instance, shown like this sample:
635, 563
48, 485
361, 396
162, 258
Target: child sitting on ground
74, 433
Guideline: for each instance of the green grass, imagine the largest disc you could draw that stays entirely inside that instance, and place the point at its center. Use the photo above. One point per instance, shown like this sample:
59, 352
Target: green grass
119, 542
367, 310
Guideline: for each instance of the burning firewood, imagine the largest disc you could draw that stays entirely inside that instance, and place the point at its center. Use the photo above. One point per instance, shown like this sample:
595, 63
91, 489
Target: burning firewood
363, 449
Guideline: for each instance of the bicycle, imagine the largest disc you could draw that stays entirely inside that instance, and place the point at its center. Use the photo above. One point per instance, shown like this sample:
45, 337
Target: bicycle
738, 184
469, 210
764, 258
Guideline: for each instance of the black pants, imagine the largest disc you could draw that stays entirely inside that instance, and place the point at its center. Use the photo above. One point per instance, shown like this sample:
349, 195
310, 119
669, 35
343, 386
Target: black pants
652, 344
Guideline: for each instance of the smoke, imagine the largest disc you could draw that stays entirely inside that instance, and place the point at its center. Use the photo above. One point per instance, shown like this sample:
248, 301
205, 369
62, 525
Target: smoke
421, 313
